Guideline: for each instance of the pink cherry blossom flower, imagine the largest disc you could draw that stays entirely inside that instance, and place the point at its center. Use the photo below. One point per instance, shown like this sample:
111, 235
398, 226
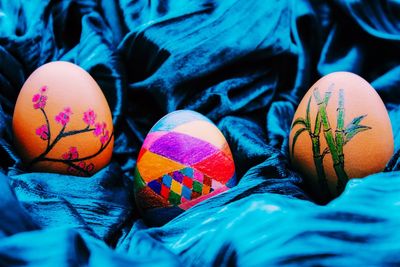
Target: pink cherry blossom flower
90, 167
68, 111
64, 116
73, 150
101, 131
40, 99
35, 98
89, 117
104, 138
71, 154
99, 128
81, 169
43, 132
82, 164
72, 170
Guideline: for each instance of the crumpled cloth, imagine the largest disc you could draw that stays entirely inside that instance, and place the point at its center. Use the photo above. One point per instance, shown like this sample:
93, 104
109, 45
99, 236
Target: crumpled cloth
245, 65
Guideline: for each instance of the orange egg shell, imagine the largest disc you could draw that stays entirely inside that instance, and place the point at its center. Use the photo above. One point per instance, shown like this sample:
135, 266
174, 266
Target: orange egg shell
78, 137
367, 152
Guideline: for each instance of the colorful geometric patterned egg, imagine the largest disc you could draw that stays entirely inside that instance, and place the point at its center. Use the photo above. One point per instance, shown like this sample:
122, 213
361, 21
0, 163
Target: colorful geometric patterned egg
184, 160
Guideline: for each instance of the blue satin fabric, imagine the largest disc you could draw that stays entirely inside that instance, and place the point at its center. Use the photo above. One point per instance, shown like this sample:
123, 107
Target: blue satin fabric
245, 65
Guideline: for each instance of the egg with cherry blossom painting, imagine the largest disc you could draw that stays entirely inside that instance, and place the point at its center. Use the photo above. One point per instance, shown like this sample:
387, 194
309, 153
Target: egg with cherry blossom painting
62, 122
184, 160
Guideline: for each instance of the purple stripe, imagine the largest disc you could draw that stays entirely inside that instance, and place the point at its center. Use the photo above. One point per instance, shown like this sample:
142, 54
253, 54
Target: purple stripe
182, 148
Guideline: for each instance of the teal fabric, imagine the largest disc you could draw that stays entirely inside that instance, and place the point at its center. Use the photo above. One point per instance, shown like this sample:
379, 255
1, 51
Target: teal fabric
245, 65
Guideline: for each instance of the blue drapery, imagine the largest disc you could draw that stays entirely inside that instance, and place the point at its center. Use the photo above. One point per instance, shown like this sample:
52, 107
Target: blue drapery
244, 64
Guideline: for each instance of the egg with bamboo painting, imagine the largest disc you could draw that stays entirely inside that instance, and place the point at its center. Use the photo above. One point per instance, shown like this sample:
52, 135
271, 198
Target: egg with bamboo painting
184, 160
62, 122
340, 130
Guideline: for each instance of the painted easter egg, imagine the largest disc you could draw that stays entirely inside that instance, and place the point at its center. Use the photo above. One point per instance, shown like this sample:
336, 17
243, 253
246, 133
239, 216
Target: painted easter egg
62, 122
340, 130
184, 160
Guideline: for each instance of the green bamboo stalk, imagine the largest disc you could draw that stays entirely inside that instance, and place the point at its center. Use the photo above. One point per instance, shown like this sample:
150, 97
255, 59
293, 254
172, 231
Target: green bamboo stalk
315, 138
338, 166
308, 117
318, 158
339, 137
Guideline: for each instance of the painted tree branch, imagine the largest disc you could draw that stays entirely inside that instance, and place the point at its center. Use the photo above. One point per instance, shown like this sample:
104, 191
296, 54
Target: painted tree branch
48, 126
101, 149
71, 157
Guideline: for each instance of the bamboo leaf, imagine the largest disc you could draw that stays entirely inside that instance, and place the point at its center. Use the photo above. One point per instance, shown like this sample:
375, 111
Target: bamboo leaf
356, 120
296, 135
300, 121
353, 130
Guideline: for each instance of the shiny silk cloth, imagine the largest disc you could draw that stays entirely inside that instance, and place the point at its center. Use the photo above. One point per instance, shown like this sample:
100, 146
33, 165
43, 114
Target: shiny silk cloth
245, 64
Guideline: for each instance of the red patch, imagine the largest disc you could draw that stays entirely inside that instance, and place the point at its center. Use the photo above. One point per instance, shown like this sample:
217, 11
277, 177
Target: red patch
187, 182
207, 180
218, 166
141, 152
165, 191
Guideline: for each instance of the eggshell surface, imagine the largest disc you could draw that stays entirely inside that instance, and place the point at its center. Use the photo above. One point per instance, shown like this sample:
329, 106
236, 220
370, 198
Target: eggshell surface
340, 130
184, 160
62, 122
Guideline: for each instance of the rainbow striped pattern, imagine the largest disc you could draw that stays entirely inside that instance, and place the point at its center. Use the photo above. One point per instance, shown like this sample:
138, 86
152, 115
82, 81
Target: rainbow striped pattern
184, 159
